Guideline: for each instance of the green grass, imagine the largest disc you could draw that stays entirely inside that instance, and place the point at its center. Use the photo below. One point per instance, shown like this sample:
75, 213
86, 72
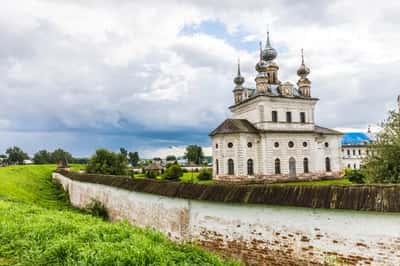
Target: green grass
187, 177
31, 184
33, 235
38, 227
317, 183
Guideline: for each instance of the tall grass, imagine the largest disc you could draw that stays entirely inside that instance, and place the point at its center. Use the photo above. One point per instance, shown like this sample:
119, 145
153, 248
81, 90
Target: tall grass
38, 227
31, 235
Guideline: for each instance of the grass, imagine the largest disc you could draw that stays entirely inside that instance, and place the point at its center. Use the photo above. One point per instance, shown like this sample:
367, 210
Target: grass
187, 177
38, 227
33, 235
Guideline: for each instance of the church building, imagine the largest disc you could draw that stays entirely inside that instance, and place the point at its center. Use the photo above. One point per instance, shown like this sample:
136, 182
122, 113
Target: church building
272, 134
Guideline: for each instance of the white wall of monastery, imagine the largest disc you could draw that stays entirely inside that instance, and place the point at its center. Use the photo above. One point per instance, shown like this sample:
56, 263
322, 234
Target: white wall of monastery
254, 233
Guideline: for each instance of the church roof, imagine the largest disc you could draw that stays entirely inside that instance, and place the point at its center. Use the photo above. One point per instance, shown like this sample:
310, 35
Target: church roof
355, 138
327, 131
234, 126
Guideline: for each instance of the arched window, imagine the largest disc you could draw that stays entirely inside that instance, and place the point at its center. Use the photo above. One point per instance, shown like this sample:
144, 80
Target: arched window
250, 168
327, 164
305, 165
231, 167
216, 167
277, 166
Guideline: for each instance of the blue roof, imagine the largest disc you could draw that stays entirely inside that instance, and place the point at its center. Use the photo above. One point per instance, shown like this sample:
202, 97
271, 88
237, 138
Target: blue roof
355, 138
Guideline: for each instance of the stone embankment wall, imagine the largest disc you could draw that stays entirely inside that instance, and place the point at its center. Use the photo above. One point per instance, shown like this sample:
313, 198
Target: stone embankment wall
253, 223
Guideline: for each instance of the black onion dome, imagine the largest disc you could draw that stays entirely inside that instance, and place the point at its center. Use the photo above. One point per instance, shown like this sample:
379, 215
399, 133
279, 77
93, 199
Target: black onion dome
269, 53
303, 70
238, 80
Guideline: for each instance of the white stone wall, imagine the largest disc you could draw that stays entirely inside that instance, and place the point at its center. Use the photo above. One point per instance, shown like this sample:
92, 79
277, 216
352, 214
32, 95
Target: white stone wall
258, 234
251, 112
263, 152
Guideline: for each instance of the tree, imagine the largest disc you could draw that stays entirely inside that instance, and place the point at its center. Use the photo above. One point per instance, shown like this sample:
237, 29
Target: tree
194, 154
108, 163
133, 158
42, 157
383, 164
60, 155
170, 158
124, 152
174, 172
16, 156
205, 174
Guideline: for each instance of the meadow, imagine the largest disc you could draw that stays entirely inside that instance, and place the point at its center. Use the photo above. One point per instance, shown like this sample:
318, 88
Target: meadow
39, 227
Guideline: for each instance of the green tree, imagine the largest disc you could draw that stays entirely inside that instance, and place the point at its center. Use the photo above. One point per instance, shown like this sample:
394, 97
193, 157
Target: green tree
383, 164
133, 158
171, 158
108, 163
174, 172
59, 155
42, 157
16, 156
194, 154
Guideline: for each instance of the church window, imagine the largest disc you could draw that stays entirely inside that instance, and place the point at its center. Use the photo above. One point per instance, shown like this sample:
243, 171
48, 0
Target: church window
305, 144
291, 144
274, 116
250, 167
302, 117
277, 166
216, 167
230, 145
261, 112
348, 152
249, 145
348, 166
359, 152
289, 117
231, 167
326, 144
367, 152
305, 165
327, 164
276, 144
216, 146
354, 152
355, 166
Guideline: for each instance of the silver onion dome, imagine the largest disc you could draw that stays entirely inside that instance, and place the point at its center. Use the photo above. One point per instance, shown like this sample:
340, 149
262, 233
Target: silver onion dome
303, 70
269, 53
238, 80
261, 65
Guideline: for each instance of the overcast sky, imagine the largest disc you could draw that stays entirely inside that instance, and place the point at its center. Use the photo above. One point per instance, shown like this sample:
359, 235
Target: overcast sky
147, 75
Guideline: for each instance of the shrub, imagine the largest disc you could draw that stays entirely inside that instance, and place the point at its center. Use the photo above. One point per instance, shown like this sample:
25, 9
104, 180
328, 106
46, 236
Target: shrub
174, 172
96, 208
205, 174
354, 176
151, 174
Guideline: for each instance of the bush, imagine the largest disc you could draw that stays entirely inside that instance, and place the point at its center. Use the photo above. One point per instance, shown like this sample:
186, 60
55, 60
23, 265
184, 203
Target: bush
96, 208
205, 174
174, 172
354, 176
151, 174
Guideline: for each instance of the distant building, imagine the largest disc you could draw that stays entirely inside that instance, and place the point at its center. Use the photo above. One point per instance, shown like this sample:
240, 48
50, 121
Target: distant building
355, 148
272, 134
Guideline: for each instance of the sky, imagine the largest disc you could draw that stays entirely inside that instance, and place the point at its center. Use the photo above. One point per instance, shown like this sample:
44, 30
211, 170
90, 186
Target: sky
154, 76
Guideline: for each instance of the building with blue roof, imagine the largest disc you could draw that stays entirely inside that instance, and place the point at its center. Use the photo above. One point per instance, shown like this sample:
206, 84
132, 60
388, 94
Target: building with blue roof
355, 148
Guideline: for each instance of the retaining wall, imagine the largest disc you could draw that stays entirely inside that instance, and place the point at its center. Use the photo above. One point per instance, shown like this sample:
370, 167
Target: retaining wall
246, 222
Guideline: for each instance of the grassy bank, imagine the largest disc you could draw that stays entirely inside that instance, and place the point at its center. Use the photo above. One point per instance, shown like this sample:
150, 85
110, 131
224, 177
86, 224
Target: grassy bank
38, 227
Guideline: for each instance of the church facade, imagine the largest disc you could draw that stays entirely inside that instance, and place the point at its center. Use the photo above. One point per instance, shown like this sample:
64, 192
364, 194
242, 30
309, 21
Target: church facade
272, 134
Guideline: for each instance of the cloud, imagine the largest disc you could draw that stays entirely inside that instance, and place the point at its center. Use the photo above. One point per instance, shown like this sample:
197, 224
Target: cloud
131, 73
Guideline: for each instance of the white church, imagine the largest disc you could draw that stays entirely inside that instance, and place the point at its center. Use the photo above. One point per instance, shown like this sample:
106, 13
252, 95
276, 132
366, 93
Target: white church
272, 134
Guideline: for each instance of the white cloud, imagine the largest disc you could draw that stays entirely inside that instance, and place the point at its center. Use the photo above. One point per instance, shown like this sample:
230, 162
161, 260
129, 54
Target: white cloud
124, 65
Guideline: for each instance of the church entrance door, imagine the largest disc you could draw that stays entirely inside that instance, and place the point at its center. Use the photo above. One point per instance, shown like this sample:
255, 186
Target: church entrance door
292, 167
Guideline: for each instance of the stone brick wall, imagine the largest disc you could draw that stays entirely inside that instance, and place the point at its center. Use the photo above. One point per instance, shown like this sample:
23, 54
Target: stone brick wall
258, 234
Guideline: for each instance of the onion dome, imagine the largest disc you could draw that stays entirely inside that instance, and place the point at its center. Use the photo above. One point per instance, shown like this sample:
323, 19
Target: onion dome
261, 65
269, 53
303, 70
238, 80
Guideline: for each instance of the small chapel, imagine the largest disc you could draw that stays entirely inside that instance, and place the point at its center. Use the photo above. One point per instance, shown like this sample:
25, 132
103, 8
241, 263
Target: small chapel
272, 133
